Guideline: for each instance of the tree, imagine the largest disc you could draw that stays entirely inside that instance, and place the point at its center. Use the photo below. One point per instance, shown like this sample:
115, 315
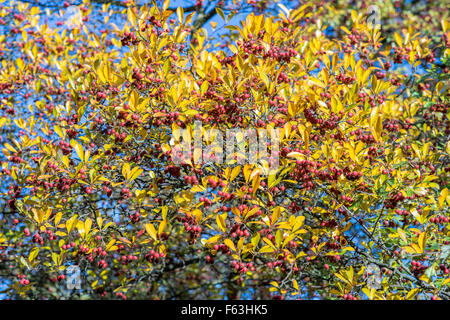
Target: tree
96, 100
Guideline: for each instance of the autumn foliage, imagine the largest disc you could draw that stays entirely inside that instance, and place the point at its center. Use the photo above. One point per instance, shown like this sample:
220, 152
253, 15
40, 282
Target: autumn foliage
87, 114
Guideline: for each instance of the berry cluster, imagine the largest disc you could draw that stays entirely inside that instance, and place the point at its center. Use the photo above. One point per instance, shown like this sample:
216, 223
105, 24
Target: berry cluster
242, 267
393, 200
153, 256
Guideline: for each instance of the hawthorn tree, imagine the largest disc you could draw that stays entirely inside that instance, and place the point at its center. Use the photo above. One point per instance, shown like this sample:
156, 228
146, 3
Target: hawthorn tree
87, 114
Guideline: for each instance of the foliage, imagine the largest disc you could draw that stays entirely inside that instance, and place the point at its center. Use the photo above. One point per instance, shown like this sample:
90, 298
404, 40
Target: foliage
88, 178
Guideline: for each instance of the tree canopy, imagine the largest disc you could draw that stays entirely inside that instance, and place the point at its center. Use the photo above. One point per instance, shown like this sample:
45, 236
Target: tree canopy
92, 93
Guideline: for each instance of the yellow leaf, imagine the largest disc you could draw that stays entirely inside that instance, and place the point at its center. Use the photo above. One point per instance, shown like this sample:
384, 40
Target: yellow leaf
240, 244
442, 197
79, 149
198, 215
256, 183
276, 215
446, 281
70, 223
131, 16
295, 284
398, 40
33, 254
345, 30
213, 240
255, 239
409, 249
264, 78
180, 14
136, 172
411, 294
298, 223
235, 172
369, 292
416, 248
164, 211
422, 241
99, 222
251, 212
110, 244
58, 218
230, 244
162, 226
87, 225
151, 230
220, 222
270, 243
266, 249
376, 123
349, 274
166, 67
247, 172
341, 277
126, 170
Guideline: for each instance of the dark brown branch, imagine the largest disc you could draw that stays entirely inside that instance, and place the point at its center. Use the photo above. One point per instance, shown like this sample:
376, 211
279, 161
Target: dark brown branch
202, 18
